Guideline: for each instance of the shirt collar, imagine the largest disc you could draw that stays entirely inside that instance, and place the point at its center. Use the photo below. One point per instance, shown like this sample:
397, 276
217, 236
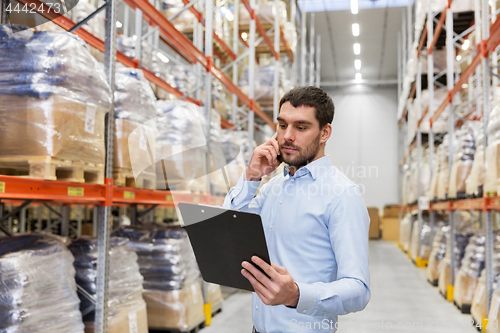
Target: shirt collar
315, 168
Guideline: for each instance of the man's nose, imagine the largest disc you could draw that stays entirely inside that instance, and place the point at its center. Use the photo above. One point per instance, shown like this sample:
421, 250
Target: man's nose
289, 135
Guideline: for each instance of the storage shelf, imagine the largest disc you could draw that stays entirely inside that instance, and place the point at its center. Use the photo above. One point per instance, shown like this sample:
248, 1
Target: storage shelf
482, 204
23, 188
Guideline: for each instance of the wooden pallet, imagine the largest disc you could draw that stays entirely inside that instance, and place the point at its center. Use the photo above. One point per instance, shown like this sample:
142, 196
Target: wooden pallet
125, 177
51, 168
194, 329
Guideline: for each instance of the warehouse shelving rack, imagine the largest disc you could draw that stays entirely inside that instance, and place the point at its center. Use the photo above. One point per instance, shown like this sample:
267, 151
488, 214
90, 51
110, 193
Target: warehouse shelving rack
480, 58
21, 192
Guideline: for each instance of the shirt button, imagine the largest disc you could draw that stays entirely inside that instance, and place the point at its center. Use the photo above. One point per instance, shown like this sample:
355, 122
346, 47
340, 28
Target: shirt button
281, 202
293, 180
256, 307
304, 311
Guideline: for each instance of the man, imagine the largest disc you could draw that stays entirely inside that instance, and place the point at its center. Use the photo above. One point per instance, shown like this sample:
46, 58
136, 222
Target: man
315, 222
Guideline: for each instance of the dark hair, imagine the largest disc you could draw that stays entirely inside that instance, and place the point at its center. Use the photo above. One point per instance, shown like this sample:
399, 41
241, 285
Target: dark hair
313, 97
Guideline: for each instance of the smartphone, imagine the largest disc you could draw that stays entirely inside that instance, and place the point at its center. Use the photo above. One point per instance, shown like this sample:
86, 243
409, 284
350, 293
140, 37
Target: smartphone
280, 157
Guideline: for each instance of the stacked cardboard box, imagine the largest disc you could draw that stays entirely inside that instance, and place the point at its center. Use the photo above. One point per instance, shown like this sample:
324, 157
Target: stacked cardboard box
373, 212
390, 223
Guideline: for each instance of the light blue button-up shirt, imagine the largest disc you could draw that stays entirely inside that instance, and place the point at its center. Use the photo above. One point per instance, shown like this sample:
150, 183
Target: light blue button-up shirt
316, 225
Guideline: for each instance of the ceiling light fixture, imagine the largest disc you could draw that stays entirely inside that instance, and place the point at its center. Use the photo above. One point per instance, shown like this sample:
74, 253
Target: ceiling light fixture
459, 57
355, 29
119, 24
358, 77
357, 64
244, 36
354, 6
356, 48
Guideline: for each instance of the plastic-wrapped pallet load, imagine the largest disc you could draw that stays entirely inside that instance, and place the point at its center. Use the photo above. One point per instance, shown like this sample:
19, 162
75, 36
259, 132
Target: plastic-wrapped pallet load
438, 252
425, 238
404, 232
444, 172
180, 134
236, 167
474, 182
462, 236
265, 12
171, 277
126, 308
478, 308
492, 154
469, 273
134, 105
37, 286
463, 160
264, 81
53, 95
183, 22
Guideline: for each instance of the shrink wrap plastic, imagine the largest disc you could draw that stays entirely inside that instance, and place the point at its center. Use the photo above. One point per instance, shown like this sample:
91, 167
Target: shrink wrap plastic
474, 182
438, 252
265, 12
492, 152
37, 286
405, 232
425, 237
478, 308
171, 275
264, 80
463, 160
125, 281
53, 95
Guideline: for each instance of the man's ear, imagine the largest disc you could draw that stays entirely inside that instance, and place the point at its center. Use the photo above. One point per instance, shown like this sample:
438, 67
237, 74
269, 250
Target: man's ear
326, 132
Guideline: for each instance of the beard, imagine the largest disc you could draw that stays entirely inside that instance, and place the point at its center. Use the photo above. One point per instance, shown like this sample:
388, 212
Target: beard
304, 156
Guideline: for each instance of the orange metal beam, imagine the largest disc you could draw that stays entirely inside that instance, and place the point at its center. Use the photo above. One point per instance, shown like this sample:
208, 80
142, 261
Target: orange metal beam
29, 188
423, 116
422, 41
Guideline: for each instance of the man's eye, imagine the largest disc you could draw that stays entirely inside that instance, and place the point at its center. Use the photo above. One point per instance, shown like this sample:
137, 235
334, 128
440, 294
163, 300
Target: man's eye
301, 128
282, 126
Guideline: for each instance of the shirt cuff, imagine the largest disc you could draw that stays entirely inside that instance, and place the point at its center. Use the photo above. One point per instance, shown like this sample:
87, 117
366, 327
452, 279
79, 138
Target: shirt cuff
308, 298
244, 192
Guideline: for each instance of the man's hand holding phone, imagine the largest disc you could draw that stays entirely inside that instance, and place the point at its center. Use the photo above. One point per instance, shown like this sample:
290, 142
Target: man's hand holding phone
265, 159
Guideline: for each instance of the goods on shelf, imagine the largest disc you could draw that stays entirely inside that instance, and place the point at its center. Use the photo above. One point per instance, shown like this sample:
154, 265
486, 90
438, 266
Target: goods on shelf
438, 252
53, 95
171, 276
134, 105
127, 309
444, 171
462, 235
474, 182
181, 145
406, 185
492, 153
37, 286
404, 232
95, 25
478, 308
468, 275
425, 175
236, 167
389, 223
463, 160
425, 237
265, 13
183, 22
264, 80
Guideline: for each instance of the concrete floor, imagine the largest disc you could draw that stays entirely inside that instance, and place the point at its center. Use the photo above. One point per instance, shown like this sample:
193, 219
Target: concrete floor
401, 301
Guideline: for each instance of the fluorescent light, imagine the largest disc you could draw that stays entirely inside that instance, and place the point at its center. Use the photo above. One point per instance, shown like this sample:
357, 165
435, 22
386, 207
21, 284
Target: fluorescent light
466, 44
244, 35
229, 15
355, 29
119, 24
354, 6
358, 77
134, 37
356, 48
162, 57
459, 57
357, 64
465, 86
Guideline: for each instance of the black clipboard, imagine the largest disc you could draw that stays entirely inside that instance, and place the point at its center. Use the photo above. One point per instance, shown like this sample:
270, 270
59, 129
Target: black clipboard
222, 239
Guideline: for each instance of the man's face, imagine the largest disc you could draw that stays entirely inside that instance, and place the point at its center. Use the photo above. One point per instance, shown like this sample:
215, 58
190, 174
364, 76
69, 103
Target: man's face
299, 135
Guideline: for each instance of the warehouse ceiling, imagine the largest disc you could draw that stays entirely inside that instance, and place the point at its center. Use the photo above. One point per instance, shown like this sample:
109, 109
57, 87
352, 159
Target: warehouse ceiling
378, 37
